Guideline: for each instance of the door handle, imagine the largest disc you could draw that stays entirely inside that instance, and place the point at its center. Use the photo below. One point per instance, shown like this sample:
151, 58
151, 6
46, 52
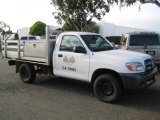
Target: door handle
60, 55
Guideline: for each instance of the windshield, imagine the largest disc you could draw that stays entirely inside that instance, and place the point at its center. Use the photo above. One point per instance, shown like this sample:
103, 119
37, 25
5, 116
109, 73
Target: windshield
138, 40
96, 43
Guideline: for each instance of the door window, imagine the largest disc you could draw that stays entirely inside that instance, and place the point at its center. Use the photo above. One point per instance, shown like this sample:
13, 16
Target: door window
69, 42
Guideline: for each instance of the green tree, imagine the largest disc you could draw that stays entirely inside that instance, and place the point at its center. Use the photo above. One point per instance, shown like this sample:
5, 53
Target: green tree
79, 13
130, 2
156, 2
38, 29
4, 29
91, 27
2, 26
69, 27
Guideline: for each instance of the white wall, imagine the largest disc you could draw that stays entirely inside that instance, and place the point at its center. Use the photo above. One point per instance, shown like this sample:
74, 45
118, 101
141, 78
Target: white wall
105, 29
109, 29
25, 31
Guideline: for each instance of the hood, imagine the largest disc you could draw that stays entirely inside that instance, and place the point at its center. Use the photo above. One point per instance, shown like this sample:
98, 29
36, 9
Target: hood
123, 55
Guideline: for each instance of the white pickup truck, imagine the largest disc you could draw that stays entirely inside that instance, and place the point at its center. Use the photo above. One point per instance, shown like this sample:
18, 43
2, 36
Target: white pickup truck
82, 56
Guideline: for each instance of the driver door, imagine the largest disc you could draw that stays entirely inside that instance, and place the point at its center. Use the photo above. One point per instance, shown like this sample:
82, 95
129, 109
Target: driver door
70, 64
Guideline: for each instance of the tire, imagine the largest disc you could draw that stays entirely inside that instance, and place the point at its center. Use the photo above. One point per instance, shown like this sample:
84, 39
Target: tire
27, 73
107, 88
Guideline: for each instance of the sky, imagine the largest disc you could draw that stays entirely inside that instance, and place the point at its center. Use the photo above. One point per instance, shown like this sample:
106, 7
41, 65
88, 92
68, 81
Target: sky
24, 13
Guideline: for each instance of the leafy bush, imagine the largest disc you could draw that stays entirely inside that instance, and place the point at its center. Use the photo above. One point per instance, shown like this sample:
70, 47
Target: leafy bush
38, 29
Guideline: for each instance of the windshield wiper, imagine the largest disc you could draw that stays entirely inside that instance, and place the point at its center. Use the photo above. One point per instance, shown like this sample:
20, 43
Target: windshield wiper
102, 49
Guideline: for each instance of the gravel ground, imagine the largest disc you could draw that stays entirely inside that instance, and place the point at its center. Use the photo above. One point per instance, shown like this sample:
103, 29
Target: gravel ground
63, 99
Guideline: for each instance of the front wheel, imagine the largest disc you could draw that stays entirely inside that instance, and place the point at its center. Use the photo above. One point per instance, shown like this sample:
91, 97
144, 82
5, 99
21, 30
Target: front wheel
27, 73
107, 88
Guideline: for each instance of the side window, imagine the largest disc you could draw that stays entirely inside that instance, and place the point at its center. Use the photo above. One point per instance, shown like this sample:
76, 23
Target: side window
23, 38
69, 42
32, 38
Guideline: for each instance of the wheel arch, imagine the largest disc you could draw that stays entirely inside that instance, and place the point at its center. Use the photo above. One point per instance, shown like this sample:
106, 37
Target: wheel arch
102, 71
27, 73
19, 63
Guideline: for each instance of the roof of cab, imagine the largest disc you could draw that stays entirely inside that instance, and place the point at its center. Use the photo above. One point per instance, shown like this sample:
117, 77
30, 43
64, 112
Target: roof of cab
78, 33
142, 33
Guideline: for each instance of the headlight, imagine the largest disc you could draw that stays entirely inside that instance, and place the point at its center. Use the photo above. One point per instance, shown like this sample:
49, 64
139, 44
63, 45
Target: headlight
135, 66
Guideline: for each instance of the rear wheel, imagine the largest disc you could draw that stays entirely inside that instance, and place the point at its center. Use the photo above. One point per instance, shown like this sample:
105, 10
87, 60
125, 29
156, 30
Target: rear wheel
27, 73
107, 88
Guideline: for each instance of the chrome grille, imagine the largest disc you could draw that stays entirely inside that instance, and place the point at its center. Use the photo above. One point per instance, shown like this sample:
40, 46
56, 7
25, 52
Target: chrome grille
149, 65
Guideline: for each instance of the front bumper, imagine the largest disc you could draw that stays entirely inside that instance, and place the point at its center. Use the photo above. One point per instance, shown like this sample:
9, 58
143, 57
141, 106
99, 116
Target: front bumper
139, 80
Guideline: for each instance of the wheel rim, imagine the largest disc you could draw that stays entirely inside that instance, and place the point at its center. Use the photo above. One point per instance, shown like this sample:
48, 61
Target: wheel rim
107, 88
24, 73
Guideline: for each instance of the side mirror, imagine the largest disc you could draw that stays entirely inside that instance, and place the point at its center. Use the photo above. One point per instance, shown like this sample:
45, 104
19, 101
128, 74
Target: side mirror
79, 49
